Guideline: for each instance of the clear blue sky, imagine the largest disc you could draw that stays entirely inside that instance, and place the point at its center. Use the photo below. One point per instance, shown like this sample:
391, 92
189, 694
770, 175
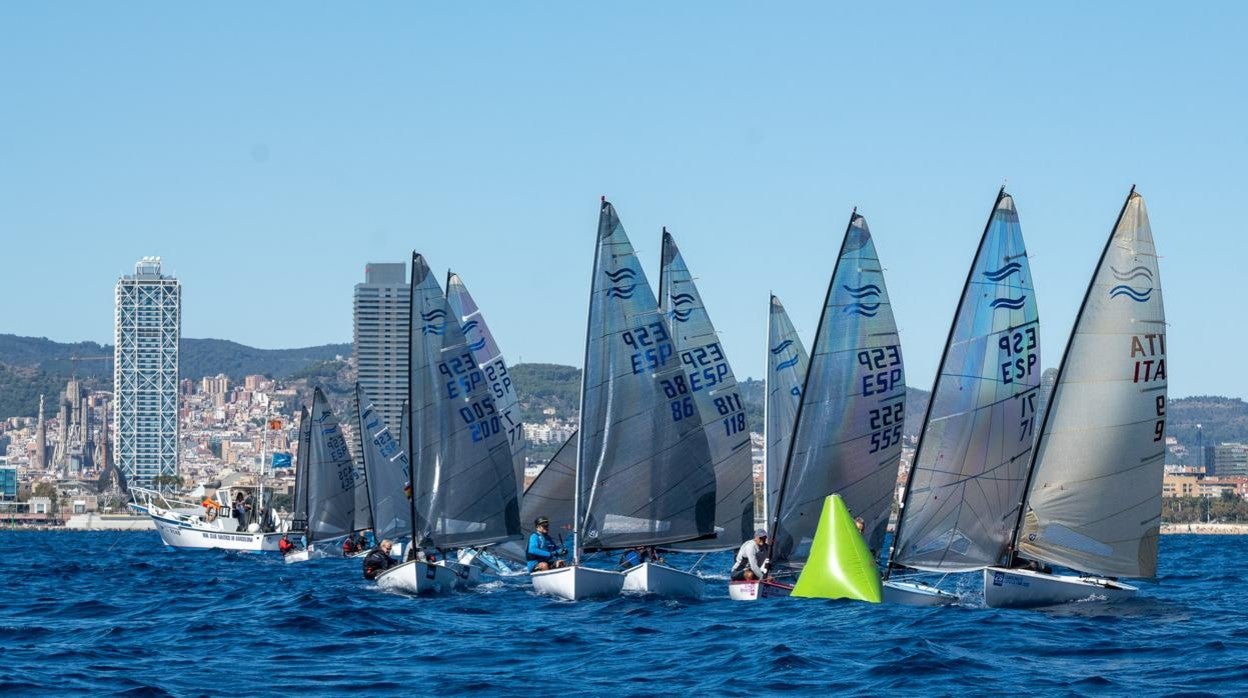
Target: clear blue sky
269, 150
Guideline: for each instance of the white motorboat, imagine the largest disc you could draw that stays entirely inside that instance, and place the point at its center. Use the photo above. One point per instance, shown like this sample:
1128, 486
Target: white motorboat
196, 527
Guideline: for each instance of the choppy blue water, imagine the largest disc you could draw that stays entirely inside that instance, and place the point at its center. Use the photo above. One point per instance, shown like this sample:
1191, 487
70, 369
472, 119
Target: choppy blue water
110, 612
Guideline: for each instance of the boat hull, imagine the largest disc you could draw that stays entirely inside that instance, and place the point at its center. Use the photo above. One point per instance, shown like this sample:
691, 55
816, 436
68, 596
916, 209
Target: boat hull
419, 577
916, 594
755, 590
1016, 588
176, 534
577, 583
661, 580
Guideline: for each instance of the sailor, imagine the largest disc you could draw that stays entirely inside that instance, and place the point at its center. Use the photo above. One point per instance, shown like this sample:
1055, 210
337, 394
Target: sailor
748, 565
284, 546
543, 554
378, 560
637, 555
348, 546
860, 524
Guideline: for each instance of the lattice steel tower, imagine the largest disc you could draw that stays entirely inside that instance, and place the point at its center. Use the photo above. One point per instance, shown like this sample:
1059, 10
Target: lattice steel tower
145, 373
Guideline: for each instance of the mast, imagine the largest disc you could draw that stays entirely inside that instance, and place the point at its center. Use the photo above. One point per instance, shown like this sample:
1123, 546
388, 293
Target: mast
1057, 382
766, 404
408, 428
797, 418
940, 369
580, 419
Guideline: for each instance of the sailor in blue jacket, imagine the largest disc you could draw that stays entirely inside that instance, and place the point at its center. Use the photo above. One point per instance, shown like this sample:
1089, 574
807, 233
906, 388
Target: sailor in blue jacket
543, 553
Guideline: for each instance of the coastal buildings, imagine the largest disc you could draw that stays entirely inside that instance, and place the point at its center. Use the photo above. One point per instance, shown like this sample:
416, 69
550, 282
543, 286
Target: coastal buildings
381, 343
1230, 459
148, 327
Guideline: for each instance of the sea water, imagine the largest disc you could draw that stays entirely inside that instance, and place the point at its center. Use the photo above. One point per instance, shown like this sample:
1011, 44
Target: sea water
121, 613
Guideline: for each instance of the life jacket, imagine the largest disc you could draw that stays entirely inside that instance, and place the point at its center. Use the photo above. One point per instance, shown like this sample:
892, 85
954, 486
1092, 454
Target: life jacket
543, 542
631, 558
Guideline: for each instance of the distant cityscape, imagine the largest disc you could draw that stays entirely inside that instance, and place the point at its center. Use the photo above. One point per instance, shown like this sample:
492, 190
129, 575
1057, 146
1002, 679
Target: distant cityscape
157, 428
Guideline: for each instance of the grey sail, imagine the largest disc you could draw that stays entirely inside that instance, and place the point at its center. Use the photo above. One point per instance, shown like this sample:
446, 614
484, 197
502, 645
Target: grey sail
493, 366
551, 494
363, 494
646, 476
847, 438
961, 499
786, 371
386, 471
299, 515
709, 378
1094, 499
332, 477
467, 492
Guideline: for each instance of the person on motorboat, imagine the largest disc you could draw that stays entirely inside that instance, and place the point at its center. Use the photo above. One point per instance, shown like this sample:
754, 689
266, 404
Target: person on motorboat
378, 560
240, 511
751, 556
284, 546
637, 555
543, 553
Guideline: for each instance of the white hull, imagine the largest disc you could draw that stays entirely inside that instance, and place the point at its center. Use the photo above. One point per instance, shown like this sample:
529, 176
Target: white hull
178, 534
660, 580
917, 594
420, 577
577, 583
1027, 589
753, 591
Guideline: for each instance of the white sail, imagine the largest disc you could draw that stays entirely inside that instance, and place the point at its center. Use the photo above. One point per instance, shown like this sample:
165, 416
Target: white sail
961, 499
332, 475
1094, 499
710, 380
847, 438
386, 471
786, 371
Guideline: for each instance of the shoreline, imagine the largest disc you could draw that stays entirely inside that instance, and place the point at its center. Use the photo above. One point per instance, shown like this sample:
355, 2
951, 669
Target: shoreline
1208, 529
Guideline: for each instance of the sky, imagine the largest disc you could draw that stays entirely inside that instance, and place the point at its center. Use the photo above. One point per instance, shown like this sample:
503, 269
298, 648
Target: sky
268, 151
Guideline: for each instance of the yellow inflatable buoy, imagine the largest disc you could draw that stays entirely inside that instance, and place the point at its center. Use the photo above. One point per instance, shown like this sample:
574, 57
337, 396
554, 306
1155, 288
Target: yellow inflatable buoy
840, 565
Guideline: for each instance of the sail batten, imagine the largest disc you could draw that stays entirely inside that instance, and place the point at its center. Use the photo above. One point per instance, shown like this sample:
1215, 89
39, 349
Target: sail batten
971, 459
1100, 454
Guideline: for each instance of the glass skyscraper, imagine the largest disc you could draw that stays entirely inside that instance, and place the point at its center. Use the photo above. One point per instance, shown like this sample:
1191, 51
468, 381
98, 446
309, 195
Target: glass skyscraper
381, 341
145, 373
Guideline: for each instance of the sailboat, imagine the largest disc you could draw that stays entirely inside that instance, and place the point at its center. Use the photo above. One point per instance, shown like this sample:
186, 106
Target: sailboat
709, 379
787, 363
464, 487
958, 507
848, 428
489, 358
386, 471
299, 514
1092, 501
644, 474
332, 479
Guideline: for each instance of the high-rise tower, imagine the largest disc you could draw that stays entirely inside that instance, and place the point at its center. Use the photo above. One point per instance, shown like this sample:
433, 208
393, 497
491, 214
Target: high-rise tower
145, 373
381, 322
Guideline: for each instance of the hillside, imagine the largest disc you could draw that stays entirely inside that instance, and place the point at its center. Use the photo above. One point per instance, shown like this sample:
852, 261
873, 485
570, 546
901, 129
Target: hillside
33, 365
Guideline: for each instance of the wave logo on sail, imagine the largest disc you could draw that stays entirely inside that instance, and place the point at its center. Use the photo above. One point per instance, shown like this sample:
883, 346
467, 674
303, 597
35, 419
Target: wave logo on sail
1011, 303
435, 322
867, 300
679, 299
1003, 272
1139, 295
624, 284
780, 348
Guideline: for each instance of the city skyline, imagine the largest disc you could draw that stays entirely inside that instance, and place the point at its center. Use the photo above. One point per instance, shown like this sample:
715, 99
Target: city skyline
278, 170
